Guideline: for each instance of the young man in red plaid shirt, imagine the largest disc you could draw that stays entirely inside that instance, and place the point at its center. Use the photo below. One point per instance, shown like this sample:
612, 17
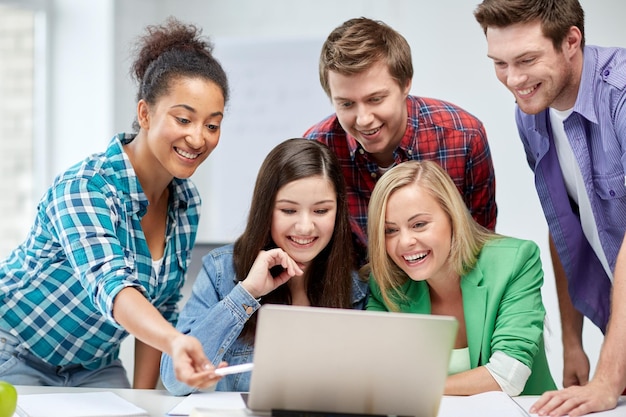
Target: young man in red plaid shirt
366, 70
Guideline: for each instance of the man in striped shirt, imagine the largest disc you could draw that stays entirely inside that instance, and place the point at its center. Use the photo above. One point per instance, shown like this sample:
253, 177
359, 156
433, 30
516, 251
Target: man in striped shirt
571, 118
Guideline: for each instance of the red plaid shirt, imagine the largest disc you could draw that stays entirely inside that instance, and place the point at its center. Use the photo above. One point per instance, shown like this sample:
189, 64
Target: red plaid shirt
436, 130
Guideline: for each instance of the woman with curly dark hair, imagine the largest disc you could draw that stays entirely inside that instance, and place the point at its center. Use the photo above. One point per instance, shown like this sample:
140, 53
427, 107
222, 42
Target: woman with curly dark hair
108, 252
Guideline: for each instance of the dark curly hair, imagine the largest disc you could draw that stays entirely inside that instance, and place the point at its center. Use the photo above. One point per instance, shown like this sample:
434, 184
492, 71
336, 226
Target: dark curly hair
171, 50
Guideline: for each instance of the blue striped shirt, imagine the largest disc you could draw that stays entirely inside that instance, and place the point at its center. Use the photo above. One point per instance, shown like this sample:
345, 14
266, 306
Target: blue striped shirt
86, 245
596, 130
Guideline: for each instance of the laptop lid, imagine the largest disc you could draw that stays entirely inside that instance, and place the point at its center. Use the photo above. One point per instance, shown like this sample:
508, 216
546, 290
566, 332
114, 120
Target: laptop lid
314, 359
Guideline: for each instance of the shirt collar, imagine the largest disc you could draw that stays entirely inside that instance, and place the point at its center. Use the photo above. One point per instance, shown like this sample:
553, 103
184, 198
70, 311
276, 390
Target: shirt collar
585, 101
128, 183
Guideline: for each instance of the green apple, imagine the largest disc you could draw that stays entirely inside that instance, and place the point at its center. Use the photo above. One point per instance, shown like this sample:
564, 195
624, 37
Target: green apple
8, 399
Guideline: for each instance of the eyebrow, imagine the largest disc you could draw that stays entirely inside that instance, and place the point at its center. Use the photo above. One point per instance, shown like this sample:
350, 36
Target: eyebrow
191, 109
296, 203
374, 94
515, 58
410, 219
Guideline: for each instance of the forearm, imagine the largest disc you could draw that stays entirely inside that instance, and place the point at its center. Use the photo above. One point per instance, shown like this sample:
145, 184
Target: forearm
571, 319
611, 370
141, 319
147, 361
471, 382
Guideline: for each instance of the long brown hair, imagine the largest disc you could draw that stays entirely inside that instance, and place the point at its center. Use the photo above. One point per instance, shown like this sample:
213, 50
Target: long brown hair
329, 282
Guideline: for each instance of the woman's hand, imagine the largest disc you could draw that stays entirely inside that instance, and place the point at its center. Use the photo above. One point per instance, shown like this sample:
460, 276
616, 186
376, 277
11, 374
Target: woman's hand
191, 366
260, 281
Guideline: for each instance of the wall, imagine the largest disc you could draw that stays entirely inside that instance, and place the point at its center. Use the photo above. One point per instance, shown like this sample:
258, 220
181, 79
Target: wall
93, 96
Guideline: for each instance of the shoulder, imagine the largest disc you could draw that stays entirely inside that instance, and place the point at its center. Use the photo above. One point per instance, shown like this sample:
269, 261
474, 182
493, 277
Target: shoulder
360, 290
100, 170
508, 247
609, 63
219, 256
325, 130
444, 114
218, 270
505, 262
510, 257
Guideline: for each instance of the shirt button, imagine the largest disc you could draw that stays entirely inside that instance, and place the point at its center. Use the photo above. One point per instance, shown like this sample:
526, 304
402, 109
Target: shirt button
373, 174
606, 72
361, 151
612, 193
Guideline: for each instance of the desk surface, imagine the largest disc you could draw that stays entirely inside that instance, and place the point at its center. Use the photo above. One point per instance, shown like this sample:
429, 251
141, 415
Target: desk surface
158, 402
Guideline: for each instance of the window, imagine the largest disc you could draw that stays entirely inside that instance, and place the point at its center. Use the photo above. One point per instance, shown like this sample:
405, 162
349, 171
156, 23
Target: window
17, 115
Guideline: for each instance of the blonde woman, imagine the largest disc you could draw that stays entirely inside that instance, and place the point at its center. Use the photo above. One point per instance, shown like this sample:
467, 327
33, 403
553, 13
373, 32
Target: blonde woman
428, 256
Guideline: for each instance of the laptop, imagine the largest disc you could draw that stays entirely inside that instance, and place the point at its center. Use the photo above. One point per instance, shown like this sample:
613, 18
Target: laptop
315, 361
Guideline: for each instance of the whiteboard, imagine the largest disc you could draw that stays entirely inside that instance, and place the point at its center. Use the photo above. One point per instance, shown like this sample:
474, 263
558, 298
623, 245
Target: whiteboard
275, 95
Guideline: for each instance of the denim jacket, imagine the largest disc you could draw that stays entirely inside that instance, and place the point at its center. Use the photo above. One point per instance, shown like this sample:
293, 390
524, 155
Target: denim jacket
216, 313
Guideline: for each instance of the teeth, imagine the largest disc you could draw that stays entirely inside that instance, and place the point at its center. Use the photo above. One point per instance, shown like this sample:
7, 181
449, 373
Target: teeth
370, 132
416, 257
302, 241
186, 154
527, 91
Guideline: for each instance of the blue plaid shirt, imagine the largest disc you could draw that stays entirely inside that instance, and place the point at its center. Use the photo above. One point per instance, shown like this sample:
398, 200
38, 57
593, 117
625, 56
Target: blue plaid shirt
86, 245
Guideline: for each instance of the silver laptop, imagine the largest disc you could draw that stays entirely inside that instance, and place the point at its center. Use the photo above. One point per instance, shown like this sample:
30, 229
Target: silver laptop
320, 361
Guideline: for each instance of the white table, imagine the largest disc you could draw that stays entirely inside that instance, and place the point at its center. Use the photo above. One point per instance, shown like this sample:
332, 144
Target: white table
156, 402
159, 402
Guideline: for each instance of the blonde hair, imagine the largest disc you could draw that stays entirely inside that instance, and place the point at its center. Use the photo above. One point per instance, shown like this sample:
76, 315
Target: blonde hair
468, 237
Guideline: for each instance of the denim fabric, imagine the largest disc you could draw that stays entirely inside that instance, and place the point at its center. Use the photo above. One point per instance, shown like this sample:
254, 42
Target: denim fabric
19, 367
216, 313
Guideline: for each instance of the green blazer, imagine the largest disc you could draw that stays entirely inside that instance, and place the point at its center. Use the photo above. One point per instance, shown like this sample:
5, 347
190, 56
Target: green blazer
502, 305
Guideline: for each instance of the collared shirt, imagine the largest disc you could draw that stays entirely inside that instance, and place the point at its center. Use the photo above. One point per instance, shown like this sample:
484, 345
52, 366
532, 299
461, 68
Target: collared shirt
86, 245
596, 130
436, 130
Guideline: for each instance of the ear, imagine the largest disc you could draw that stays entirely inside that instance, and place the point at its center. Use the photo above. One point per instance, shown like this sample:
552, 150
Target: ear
572, 41
407, 88
143, 114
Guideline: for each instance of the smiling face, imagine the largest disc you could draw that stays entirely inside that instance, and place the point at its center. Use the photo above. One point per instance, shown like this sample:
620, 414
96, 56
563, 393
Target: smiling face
183, 127
418, 234
303, 219
527, 63
371, 106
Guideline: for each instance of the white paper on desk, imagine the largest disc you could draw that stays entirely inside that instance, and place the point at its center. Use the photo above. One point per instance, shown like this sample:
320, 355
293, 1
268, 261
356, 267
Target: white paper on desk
488, 404
208, 400
76, 404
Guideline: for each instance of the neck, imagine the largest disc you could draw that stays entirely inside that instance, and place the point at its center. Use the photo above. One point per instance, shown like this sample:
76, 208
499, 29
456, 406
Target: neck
154, 181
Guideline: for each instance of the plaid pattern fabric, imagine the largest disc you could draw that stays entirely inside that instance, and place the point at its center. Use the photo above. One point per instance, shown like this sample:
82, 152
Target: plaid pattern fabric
57, 288
436, 130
